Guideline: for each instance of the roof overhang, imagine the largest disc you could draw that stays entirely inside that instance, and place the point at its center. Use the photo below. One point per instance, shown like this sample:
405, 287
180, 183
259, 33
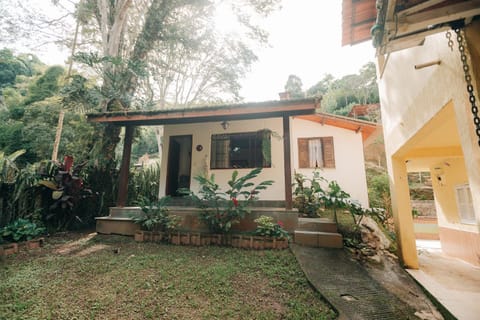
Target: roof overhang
358, 17
401, 24
366, 128
245, 111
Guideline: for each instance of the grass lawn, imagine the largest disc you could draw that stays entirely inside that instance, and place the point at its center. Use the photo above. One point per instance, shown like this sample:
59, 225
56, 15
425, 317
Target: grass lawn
79, 276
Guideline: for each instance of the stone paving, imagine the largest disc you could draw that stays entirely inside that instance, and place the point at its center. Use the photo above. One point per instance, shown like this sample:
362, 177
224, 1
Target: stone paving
348, 287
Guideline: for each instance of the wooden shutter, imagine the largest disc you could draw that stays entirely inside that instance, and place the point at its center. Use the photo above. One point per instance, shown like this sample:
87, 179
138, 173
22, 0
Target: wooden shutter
328, 152
303, 153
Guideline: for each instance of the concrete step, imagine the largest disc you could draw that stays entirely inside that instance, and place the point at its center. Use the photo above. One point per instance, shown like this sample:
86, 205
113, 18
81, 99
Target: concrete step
318, 239
316, 224
116, 225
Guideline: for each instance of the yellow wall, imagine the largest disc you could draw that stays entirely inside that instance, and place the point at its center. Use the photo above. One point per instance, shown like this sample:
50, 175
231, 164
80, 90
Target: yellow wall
412, 99
446, 175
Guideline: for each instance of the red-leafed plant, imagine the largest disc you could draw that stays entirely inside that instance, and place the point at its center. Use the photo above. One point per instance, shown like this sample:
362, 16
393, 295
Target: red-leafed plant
67, 189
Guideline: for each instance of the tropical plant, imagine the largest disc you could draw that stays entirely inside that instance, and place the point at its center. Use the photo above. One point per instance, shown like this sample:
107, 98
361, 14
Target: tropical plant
21, 230
67, 190
8, 168
222, 209
266, 227
306, 193
334, 198
155, 216
144, 183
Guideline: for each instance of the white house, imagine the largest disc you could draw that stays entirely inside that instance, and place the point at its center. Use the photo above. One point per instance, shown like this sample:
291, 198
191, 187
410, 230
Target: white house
282, 137
331, 144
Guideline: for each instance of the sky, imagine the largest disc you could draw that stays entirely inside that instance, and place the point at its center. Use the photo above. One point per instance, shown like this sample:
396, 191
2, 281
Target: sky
305, 40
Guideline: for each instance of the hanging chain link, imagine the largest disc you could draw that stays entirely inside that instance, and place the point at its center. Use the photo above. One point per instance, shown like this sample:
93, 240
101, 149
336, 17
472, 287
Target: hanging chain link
468, 78
450, 41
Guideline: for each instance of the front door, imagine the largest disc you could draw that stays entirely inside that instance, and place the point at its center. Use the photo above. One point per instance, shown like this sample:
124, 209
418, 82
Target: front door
179, 164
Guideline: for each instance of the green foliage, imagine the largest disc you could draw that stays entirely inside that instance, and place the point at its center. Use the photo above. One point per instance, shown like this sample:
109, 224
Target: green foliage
306, 193
313, 194
144, 183
8, 168
20, 230
11, 67
67, 190
155, 215
379, 191
334, 198
145, 142
339, 95
266, 227
81, 95
293, 87
46, 86
222, 209
116, 72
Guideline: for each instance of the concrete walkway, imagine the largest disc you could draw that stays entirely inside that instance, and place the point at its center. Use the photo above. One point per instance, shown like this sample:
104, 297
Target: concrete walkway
454, 283
348, 287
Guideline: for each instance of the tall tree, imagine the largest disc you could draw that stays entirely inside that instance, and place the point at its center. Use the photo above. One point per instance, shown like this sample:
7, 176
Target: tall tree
339, 95
129, 32
293, 87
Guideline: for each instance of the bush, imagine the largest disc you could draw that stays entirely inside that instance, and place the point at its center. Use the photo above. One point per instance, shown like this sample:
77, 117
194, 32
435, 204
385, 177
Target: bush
20, 230
266, 227
222, 209
155, 215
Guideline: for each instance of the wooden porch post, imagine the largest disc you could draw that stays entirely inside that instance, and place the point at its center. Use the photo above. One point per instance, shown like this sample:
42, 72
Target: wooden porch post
124, 167
287, 162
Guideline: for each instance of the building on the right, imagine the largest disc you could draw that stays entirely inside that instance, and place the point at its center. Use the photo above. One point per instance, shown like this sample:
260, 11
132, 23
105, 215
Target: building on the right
428, 67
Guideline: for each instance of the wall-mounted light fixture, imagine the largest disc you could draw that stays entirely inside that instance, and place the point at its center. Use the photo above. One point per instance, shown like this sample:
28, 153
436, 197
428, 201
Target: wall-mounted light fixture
224, 125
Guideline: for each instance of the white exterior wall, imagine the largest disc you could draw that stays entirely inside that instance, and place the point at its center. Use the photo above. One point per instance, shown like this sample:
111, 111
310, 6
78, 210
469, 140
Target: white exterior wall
410, 98
349, 169
201, 135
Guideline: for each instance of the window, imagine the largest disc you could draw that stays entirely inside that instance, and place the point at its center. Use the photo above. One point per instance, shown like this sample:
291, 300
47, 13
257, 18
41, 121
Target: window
465, 204
316, 152
241, 150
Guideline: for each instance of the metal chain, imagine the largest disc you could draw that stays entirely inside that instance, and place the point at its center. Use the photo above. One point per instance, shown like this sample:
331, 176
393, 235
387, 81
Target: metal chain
468, 78
450, 41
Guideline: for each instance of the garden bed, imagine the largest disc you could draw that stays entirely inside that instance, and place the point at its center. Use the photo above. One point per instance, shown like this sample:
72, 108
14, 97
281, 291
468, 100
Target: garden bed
12, 248
205, 239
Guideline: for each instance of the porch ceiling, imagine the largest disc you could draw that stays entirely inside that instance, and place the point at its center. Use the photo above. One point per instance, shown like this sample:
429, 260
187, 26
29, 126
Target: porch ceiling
437, 141
399, 24
245, 111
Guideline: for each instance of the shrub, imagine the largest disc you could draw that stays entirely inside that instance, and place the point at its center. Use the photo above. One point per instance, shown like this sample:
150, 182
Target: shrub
266, 227
67, 188
20, 230
144, 183
306, 193
155, 216
222, 209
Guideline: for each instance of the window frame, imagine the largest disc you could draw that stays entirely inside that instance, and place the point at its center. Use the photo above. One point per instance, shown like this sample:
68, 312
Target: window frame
255, 140
328, 152
466, 212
